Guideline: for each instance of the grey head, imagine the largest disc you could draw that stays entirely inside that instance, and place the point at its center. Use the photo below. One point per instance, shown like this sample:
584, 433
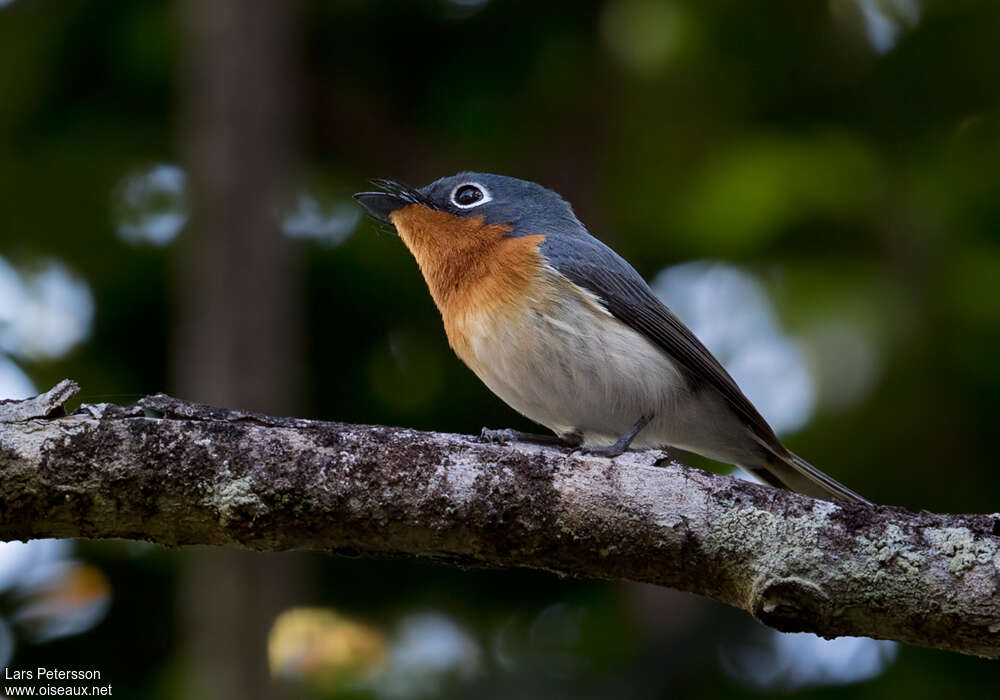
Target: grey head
527, 207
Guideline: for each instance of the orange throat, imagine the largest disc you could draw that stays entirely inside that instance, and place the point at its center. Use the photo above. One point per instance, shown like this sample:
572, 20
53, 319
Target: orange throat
470, 267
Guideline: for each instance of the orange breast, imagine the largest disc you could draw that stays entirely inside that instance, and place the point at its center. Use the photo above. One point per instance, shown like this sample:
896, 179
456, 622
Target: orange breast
475, 273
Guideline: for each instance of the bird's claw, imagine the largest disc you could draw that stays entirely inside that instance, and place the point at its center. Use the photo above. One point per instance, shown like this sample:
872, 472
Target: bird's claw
607, 451
500, 436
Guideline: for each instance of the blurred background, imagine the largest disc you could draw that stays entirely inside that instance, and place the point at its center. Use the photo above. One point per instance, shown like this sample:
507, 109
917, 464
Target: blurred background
811, 184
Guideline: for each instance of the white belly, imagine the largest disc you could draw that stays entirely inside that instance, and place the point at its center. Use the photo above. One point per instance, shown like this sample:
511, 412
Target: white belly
574, 368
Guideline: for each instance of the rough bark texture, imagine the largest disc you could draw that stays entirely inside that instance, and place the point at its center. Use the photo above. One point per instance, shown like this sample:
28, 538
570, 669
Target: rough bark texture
179, 473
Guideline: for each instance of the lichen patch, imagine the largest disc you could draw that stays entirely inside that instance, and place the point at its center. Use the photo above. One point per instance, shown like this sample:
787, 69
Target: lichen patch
892, 549
964, 549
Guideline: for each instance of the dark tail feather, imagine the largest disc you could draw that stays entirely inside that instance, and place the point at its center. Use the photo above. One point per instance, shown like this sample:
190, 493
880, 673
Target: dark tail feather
796, 474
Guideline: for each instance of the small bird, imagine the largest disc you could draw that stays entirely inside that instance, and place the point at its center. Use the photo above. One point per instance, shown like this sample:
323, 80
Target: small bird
567, 333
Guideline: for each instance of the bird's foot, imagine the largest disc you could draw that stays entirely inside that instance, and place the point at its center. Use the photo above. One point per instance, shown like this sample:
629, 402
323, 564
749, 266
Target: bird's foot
621, 444
609, 451
504, 436
498, 435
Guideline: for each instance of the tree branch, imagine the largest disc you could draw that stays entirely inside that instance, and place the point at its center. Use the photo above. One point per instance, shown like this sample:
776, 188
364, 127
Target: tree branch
178, 473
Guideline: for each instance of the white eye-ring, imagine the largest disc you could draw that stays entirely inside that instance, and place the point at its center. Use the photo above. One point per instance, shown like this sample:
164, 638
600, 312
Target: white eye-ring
470, 194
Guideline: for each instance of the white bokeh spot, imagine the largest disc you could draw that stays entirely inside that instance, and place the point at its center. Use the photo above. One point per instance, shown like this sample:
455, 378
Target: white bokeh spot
885, 20
44, 312
730, 312
428, 650
789, 661
309, 220
14, 383
151, 205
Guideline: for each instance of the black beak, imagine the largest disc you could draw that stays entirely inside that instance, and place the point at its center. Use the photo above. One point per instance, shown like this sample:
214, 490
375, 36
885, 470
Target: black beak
391, 196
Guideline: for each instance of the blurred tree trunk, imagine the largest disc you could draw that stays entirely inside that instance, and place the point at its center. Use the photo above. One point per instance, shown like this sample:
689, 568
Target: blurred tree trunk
239, 325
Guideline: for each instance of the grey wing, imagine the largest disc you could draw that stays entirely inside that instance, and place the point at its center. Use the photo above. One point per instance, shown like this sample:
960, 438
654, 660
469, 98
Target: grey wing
595, 267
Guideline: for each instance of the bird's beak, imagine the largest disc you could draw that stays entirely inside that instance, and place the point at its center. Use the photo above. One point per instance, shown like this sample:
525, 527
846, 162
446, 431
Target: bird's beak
391, 197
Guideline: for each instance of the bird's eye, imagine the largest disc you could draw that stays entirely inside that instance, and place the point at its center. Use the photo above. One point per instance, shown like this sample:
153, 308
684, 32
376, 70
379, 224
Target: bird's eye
469, 195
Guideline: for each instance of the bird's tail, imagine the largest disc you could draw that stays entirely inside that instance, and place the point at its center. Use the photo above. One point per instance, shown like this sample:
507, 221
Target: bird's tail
794, 473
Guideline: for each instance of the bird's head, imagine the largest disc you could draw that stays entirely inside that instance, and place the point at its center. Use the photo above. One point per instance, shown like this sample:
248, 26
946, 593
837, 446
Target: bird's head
473, 227
479, 205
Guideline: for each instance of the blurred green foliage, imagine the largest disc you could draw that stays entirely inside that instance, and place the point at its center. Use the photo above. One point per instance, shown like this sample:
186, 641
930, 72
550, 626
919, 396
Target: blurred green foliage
859, 181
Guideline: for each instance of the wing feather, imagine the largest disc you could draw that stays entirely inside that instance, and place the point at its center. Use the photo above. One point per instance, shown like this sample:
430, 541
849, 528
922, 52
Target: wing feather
592, 265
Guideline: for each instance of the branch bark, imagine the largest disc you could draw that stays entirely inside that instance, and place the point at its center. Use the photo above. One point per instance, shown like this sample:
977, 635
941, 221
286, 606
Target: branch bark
179, 473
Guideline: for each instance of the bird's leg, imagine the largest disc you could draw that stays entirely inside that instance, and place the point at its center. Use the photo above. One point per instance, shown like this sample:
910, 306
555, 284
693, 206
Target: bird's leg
505, 435
622, 443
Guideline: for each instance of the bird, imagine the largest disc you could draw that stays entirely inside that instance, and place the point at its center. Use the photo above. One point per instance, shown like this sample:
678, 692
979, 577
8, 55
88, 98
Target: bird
569, 334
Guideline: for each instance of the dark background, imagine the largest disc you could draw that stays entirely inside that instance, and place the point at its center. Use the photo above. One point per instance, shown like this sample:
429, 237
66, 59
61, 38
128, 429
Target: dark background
841, 154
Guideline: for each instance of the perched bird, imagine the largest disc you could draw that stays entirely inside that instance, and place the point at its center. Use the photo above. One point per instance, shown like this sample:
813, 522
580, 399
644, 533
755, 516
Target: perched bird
567, 333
